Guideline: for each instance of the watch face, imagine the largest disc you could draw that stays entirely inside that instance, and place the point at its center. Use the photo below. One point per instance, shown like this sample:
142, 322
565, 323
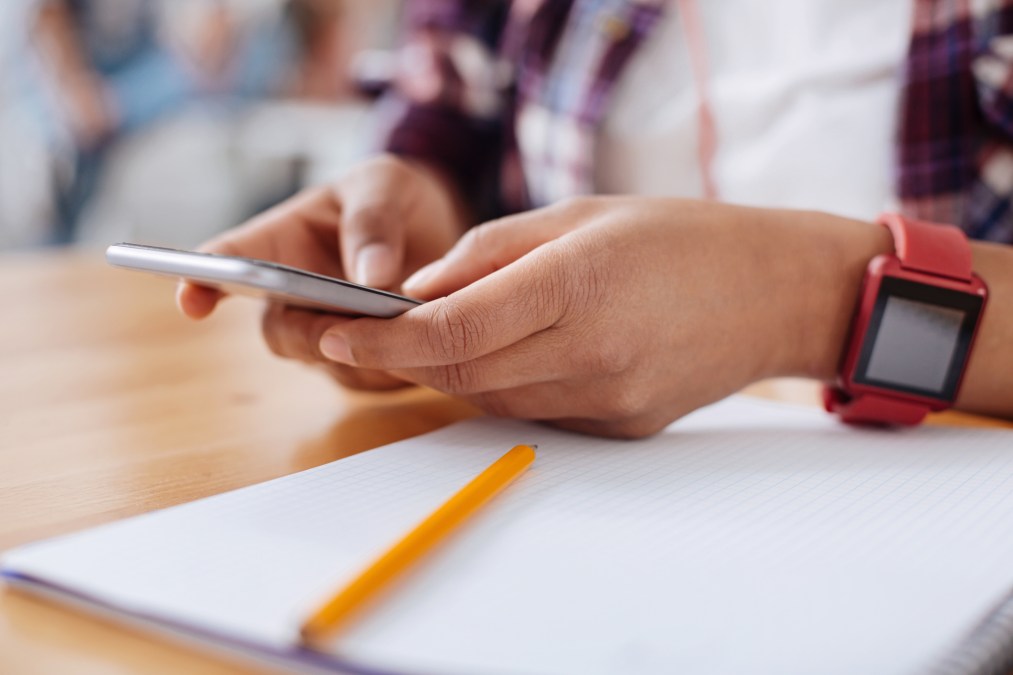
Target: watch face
918, 338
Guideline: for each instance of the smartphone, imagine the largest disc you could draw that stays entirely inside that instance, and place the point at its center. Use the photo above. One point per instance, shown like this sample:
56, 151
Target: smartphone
260, 278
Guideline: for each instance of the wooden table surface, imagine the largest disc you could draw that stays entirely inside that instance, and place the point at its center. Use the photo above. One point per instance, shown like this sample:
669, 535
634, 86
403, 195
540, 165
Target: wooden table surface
112, 404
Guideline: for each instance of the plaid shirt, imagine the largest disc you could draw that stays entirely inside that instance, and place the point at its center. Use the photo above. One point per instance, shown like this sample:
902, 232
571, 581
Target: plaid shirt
508, 97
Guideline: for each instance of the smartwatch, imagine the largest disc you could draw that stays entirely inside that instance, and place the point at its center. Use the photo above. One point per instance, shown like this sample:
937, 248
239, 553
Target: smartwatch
913, 329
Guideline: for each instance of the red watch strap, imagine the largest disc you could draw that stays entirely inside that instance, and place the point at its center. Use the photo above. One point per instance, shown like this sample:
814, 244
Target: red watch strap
927, 247
872, 409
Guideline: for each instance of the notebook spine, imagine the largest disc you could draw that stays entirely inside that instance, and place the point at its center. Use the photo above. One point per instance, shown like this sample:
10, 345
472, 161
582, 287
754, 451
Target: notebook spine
985, 650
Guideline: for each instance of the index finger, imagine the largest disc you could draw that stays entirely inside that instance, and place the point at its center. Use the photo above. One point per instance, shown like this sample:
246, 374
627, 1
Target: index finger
519, 300
301, 232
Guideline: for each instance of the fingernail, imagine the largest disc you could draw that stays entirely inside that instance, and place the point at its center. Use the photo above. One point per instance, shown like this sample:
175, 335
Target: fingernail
374, 266
335, 347
423, 275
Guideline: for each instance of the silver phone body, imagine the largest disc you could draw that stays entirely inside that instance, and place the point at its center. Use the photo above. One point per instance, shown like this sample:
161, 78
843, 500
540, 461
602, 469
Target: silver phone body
260, 278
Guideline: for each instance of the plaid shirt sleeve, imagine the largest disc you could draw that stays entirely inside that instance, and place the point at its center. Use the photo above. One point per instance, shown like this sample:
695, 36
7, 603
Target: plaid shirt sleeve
955, 139
447, 104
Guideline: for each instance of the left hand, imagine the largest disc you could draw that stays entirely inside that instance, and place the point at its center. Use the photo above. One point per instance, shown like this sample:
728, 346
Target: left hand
375, 225
616, 315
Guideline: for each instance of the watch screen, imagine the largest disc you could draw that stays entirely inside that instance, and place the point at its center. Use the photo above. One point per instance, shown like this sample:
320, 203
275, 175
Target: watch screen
918, 338
915, 343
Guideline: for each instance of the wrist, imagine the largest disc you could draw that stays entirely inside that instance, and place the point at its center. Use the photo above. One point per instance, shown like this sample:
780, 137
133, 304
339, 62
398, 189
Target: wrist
444, 183
830, 259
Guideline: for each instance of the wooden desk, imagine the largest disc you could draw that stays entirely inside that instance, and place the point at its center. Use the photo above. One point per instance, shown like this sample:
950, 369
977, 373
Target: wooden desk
112, 404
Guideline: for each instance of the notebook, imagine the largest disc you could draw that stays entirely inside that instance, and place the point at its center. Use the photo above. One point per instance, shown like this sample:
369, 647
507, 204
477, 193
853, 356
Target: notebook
747, 537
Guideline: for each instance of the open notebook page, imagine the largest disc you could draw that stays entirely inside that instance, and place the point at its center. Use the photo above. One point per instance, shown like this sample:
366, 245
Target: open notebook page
748, 537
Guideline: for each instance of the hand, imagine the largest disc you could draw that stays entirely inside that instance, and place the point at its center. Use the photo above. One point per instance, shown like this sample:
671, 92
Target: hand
382, 221
89, 109
615, 316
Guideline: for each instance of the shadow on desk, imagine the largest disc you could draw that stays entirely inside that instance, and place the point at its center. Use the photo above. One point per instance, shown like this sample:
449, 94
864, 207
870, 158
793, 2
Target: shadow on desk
380, 419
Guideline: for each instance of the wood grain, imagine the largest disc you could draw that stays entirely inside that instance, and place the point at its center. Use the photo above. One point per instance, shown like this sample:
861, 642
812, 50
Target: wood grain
112, 404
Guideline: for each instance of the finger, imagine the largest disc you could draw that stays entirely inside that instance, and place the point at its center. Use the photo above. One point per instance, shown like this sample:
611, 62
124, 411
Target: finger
372, 230
363, 379
195, 301
628, 429
291, 233
487, 248
522, 363
548, 401
494, 312
298, 232
584, 406
295, 333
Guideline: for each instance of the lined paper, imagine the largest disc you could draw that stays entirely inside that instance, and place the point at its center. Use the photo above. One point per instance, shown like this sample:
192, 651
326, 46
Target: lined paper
749, 536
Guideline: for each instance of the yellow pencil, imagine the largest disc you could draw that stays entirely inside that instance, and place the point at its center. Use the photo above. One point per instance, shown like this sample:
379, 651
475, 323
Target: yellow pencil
405, 553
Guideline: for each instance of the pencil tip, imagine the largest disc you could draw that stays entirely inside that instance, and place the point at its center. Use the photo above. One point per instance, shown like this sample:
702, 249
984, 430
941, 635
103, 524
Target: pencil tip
307, 636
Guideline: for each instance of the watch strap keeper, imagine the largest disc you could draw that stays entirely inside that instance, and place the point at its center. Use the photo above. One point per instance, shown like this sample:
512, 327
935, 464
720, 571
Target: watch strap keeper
939, 250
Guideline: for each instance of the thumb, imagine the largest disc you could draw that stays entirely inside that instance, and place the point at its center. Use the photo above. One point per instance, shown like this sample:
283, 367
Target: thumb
485, 249
372, 243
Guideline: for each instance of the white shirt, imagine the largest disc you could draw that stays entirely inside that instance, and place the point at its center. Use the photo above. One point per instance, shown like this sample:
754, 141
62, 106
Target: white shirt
804, 94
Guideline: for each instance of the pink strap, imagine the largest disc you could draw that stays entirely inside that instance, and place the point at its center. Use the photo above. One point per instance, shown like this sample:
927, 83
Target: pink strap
929, 247
707, 143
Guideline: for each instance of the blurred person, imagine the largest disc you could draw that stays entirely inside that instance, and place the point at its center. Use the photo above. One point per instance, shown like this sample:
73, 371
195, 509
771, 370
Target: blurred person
116, 67
325, 50
616, 315
108, 73
24, 175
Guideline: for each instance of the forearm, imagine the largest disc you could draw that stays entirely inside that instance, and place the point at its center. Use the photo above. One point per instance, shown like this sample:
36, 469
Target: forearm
836, 252
988, 383
58, 42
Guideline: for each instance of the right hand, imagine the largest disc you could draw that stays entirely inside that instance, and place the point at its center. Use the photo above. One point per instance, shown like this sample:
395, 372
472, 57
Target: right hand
616, 315
375, 226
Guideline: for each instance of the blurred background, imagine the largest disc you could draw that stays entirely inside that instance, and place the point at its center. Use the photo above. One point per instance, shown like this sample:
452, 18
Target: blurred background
166, 121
